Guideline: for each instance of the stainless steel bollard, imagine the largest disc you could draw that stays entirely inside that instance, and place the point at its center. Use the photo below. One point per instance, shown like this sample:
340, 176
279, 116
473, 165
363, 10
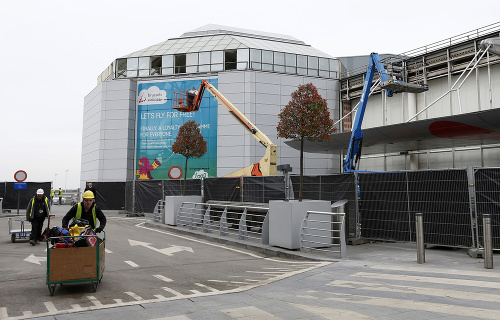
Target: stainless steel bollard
420, 237
488, 248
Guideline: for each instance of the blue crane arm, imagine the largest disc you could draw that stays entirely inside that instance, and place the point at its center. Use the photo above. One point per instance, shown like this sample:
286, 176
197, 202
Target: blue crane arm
354, 150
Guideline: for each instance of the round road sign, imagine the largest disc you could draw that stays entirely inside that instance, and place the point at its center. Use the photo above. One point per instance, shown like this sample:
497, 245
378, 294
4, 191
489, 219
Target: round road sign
175, 172
20, 175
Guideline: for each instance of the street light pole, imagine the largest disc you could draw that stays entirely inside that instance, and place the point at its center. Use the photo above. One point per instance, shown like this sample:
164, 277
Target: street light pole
65, 182
55, 180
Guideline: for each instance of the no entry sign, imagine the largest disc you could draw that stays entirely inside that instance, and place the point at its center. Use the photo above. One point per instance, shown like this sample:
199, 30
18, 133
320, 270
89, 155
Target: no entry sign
20, 175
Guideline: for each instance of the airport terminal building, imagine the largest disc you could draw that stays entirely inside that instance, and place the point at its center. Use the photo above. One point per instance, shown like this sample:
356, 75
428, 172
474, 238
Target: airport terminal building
130, 122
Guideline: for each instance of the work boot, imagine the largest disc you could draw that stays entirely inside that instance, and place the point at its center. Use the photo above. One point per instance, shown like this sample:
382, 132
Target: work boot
32, 242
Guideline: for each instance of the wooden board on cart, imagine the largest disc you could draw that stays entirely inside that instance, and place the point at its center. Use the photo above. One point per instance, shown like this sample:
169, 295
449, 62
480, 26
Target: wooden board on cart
77, 263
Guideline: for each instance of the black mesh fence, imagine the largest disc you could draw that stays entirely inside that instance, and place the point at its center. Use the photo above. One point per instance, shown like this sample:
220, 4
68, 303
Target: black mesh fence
11, 196
263, 189
222, 189
487, 183
129, 196
147, 194
332, 188
110, 195
175, 187
389, 201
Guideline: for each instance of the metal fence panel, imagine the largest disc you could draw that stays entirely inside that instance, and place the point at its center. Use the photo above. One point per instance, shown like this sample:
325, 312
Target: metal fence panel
389, 201
263, 189
222, 189
487, 186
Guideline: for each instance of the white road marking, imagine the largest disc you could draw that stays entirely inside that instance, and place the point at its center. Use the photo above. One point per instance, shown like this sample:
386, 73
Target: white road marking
133, 295
416, 290
108, 251
36, 260
132, 264
249, 313
332, 313
418, 305
27, 314
461, 282
166, 251
172, 291
206, 287
173, 318
492, 273
50, 306
162, 278
94, 300
3, 313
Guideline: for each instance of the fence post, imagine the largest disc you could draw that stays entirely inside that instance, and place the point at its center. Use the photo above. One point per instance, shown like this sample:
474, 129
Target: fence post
488, 248
420, 237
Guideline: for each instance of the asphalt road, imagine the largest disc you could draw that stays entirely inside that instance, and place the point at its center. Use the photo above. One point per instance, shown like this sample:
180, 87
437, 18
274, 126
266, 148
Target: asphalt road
142, 265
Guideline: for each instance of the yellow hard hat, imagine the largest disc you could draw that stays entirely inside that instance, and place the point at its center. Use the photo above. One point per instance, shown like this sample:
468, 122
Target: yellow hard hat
88, 195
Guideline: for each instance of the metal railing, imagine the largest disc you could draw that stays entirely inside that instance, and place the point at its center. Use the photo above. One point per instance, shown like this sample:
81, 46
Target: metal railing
158, 210
323, 231
247, 223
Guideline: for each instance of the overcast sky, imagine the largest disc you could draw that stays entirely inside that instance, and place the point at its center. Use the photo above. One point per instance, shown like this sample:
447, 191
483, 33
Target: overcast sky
51, 53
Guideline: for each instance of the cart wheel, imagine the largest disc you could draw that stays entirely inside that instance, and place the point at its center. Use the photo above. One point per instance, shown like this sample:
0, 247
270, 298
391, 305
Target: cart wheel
94, 286
13, 238
52, 288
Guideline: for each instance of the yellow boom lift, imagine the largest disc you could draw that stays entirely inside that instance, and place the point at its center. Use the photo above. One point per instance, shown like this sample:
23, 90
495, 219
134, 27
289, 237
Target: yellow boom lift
189, 101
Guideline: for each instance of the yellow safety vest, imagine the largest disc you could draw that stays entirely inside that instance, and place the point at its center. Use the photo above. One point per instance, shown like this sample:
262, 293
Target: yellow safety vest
60, 193
46, 204
79, 212
52, 192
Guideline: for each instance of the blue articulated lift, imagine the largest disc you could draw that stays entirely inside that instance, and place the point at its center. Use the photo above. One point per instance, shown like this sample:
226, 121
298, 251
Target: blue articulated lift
390, 85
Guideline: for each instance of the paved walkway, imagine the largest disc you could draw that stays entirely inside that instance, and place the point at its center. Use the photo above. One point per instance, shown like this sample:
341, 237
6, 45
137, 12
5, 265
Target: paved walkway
376, 281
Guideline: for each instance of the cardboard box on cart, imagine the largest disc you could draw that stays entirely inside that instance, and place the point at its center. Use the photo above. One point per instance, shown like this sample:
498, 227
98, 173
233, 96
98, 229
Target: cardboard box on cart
77, 263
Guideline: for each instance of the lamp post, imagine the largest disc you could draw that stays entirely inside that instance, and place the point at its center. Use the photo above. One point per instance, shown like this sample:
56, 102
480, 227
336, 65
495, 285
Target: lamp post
55, 180
65, 181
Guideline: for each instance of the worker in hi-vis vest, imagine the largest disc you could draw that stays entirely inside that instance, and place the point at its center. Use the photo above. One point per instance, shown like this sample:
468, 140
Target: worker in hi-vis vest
86, 210
52, 194
60, 194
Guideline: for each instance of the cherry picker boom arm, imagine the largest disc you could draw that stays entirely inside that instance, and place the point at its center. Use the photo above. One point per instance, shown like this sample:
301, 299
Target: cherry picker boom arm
267, 165
354, 151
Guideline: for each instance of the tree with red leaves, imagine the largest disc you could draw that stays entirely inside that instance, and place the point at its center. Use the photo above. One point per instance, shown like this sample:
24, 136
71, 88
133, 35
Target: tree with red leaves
305, 117
189, 143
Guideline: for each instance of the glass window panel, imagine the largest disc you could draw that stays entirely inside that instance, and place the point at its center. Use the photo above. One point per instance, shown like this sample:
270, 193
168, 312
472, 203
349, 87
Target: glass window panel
267, 66
323, 64
256, 65
180, 63
167, 61
143, 72
132, 63
312, 62
290, 60
191, 59
131, 73
334, 74
229, 59
204, 58
204, 68
301, 61
121, 68
323, 73
167, 71
242, 55
267, 56
334, 65
144, 63
279, 68
291, 70
302, 71
192, 69
255, 55
279, 59
312, 72
217, 57
217, 67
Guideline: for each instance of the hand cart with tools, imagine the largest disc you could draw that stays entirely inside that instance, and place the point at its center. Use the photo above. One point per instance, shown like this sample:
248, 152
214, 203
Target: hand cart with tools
75, 264
18, 233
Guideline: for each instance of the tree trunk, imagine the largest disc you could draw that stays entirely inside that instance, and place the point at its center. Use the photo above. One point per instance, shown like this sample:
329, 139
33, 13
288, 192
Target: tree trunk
301, 166
185, 173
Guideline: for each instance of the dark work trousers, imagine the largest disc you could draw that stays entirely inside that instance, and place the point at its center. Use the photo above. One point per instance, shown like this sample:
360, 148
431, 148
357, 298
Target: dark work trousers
36, 228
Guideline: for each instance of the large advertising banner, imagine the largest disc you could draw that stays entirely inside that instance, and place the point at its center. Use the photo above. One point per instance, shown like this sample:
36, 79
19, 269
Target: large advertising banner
158, 124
